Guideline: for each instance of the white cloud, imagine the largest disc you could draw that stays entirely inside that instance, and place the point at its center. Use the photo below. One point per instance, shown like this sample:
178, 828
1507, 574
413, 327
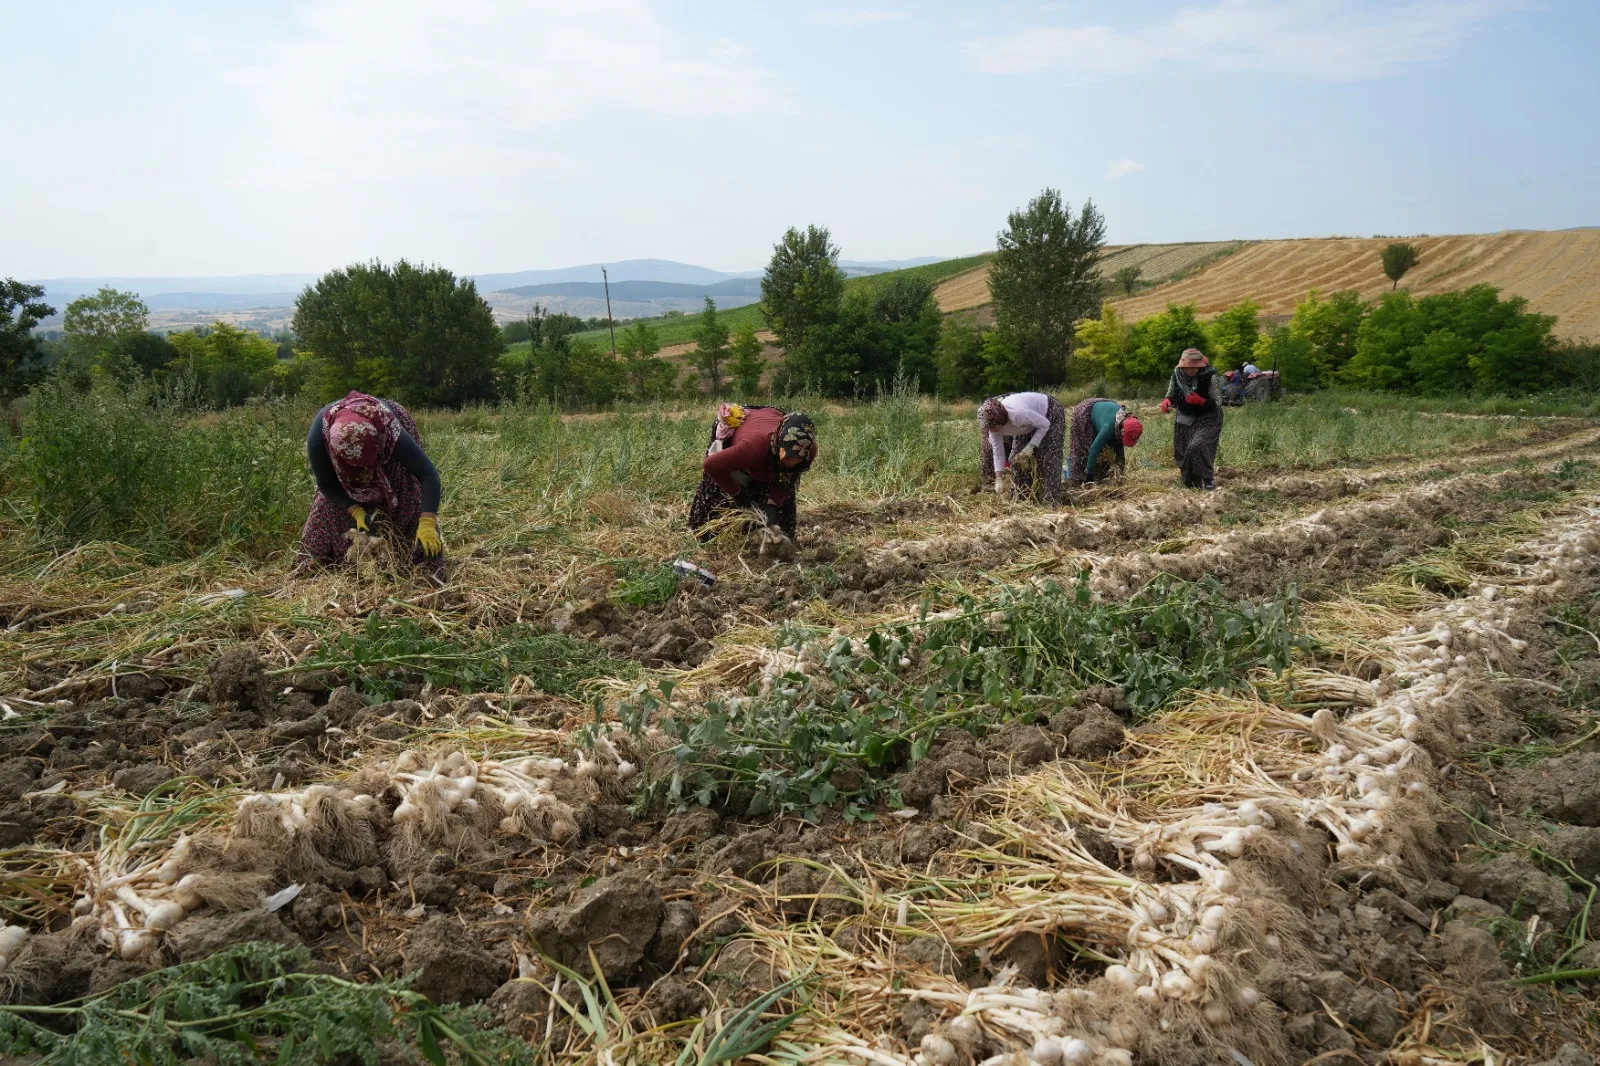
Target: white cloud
1345, 40
388, 88
837, 16
1122, 168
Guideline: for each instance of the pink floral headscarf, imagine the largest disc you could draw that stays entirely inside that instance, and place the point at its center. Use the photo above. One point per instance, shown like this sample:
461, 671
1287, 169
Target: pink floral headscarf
361, 433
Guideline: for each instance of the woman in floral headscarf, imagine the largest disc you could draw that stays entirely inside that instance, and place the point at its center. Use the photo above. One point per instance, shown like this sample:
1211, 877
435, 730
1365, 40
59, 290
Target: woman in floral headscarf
366, 457
755, 460
1024, 437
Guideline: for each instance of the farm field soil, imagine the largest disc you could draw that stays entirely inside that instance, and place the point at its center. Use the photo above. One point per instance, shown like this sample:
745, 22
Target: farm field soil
1305, 769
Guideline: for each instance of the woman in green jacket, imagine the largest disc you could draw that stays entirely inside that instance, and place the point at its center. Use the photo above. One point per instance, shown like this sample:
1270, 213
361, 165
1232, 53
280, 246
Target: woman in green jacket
1101, 430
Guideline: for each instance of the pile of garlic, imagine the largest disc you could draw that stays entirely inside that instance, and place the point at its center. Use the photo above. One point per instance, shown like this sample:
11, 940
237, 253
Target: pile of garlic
132, 907
12, 940
1028, 1015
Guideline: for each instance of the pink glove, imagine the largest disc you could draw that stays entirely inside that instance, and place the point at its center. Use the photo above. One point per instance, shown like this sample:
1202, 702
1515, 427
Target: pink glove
1166, 406
1196, 399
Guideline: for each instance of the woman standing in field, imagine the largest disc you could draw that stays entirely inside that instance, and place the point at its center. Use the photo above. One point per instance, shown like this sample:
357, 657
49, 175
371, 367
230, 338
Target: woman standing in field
366, 455
756, 458
1195, 396
1101, 431
1024, 435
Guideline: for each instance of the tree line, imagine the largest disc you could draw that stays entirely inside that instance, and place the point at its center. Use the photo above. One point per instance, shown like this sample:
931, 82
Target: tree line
425, 337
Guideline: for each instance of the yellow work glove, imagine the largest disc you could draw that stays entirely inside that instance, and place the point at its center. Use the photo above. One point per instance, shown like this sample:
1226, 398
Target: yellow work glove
428, 537
359, 513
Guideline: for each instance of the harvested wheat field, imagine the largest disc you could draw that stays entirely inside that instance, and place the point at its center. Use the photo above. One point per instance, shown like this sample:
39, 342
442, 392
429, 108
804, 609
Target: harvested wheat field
1559, 273
1302, 770
1156, 262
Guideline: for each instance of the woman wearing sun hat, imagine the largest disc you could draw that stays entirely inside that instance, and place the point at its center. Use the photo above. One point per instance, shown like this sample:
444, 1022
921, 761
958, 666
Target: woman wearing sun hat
1194, 395
1101, 430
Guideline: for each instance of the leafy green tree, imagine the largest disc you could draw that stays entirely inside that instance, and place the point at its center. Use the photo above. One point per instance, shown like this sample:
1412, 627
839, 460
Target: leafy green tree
23, 361
1103, 345
1333, 327
229, 365
649, 376
97, 325
1128, 279
1234, 334
572, 373
1289, 353
746, 366
418, 334
1155, 343
904, 304
1044, 278
1398, 258
1387, 337
959, 359
879, 336
803, 286
147, 354
711, 346
1005, 369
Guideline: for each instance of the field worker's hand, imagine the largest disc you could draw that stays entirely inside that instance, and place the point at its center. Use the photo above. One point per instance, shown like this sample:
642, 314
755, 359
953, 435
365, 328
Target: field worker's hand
1166, 406
428, 537
1002, 483
1195, 398
359, 513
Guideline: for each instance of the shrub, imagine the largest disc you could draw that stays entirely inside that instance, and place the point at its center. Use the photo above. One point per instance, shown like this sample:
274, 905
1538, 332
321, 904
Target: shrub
133, 466
959, 359
1453, 341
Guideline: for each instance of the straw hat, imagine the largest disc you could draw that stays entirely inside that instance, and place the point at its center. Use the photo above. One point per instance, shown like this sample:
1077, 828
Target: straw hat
1193, 357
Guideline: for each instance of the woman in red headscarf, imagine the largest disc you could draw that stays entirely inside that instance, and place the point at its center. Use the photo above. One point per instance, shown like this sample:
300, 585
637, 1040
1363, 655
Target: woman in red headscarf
1102, 430
367, 458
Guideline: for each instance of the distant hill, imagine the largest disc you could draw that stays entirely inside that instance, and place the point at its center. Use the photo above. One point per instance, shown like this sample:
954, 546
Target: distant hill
626, 270
640, 288
643, 290
219, 301
857, 267
62, 291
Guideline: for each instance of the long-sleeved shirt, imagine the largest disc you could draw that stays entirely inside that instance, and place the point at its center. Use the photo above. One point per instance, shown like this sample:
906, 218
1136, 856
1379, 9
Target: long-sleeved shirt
1103, 416
750, 454
1027, 414
1186, 412
408, 451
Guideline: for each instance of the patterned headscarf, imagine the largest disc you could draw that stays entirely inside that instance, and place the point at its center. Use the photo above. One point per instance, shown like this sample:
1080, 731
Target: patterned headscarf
361, 433
992, 412
796, 439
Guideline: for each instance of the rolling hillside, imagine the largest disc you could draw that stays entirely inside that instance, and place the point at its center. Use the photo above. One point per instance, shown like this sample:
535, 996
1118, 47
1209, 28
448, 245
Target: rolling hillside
1558, 272
1157, 263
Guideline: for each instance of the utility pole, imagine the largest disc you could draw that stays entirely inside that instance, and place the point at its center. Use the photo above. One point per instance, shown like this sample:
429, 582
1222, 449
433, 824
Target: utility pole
611, 323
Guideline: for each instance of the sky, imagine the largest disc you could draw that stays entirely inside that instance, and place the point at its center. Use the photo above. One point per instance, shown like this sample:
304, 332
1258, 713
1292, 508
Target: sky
176, 137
